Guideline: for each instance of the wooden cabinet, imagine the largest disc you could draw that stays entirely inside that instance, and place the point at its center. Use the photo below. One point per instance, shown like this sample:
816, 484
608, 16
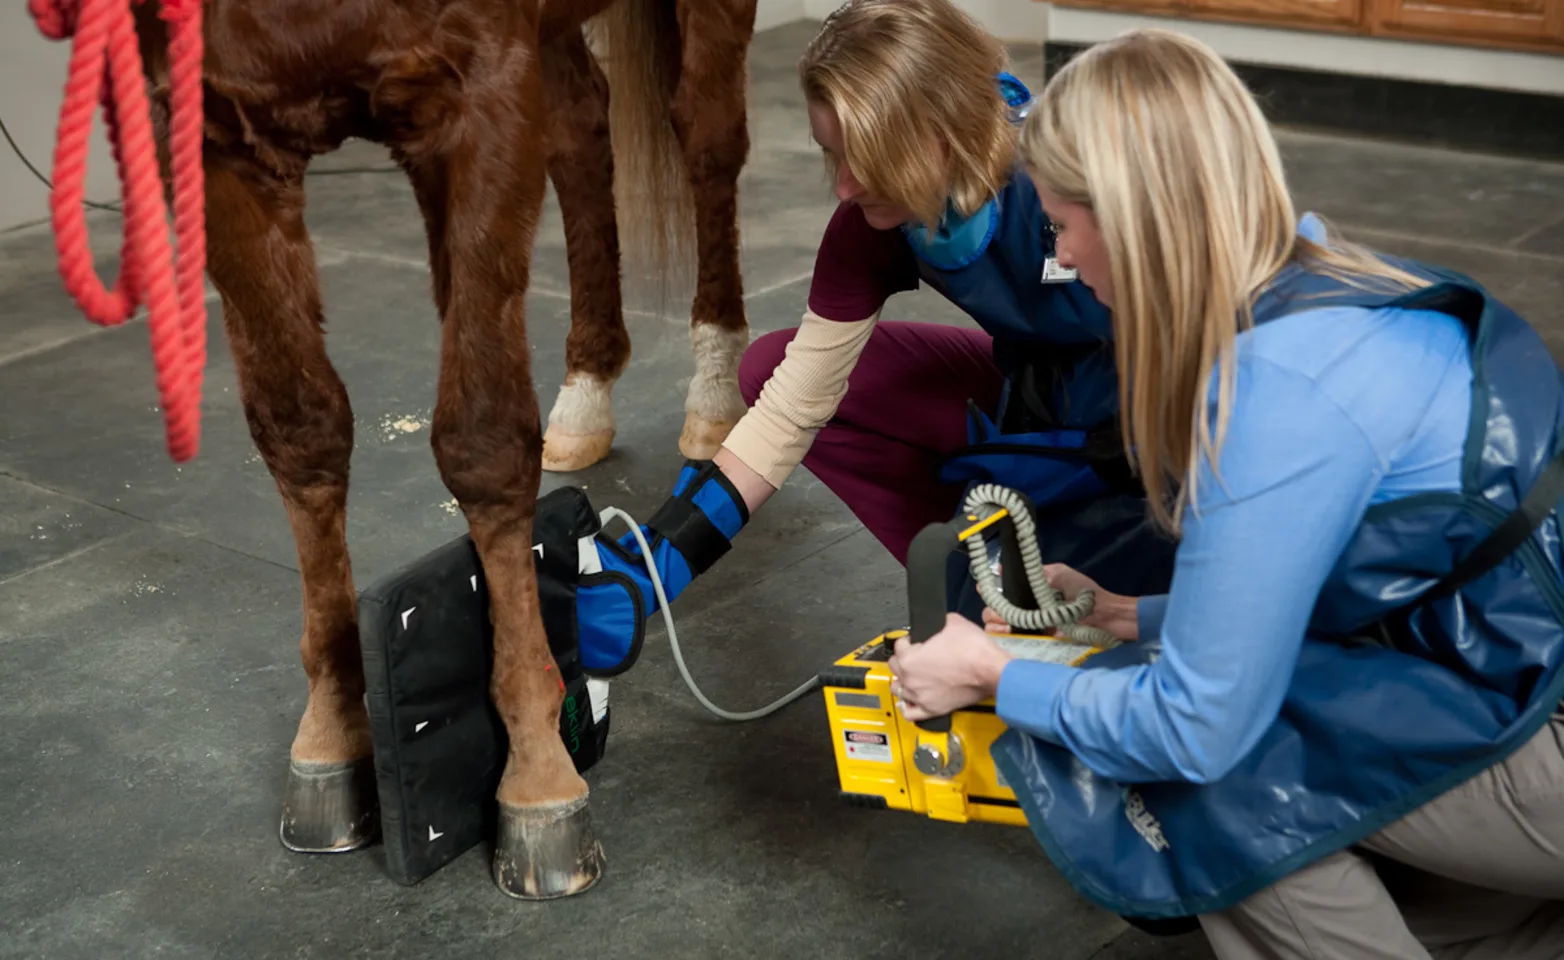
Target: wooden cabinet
1536, 25
1338, 12
1523, 21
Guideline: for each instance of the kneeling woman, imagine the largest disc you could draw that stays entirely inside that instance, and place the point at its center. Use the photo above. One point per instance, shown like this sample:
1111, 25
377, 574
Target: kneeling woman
1339, 734
910, 104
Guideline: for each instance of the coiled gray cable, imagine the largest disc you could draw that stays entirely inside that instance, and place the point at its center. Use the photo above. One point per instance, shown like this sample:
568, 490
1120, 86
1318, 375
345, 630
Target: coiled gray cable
1053, 611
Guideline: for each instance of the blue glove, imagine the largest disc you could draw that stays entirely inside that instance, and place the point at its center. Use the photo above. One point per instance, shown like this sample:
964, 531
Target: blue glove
691, 531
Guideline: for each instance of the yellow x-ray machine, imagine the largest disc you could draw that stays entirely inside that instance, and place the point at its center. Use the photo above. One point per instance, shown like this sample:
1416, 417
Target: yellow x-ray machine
941, 767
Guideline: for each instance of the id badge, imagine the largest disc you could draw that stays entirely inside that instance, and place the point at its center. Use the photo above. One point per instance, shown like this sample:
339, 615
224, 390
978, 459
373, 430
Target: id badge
1053, 273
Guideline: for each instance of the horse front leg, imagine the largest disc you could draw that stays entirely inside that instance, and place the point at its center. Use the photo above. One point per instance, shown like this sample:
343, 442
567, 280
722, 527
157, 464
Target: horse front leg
485, 185
260, 260
581, 165
709, 117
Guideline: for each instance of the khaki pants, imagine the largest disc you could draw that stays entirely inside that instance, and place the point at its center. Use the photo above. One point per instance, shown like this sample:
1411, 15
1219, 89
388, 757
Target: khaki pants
1476, 873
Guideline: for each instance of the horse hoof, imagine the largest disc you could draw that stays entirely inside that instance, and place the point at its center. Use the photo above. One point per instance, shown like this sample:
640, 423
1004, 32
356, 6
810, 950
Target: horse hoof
702, 438
330, 807
544, 853
568, 452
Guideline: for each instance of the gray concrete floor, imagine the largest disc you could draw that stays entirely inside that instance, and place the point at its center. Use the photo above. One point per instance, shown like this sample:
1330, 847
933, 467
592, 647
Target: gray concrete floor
149, 679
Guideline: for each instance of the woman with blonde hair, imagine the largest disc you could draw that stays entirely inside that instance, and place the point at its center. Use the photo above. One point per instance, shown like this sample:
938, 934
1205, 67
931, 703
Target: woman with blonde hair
917, 116
1339, 734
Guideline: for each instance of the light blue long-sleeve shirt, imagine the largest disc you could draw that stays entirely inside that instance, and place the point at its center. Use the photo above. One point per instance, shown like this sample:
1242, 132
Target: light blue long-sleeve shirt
1336, 409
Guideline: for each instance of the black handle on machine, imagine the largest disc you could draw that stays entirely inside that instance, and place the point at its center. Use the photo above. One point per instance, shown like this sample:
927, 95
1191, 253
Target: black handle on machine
927, 602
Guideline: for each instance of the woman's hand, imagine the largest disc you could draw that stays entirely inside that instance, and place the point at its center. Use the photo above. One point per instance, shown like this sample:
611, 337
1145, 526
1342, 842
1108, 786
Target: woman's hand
957, 667
1112, 612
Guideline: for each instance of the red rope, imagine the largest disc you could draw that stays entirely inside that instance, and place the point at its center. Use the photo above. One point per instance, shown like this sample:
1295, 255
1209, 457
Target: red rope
106, 68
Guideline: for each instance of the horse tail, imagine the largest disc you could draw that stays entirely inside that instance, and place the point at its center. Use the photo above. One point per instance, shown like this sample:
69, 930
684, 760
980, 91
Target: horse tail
637, 43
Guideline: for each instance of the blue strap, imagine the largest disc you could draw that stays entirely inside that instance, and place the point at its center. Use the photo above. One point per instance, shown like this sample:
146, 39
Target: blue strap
611, 622
692, 530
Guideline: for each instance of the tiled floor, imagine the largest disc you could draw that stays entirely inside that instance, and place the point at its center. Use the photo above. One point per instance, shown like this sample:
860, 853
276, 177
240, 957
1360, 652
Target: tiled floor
149, 615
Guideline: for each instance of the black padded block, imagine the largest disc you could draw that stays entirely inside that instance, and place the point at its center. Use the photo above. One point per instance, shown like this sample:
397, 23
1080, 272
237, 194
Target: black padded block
427, 644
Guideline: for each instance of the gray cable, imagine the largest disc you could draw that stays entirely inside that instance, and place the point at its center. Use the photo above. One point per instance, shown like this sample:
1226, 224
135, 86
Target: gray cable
673, 636
1053, 611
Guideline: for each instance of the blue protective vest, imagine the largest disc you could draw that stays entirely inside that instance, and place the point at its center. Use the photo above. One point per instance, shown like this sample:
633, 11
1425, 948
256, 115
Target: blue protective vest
1400, 693
1054, 436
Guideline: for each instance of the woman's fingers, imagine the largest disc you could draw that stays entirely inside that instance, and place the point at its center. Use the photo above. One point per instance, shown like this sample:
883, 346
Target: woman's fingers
1069, 581
909, 707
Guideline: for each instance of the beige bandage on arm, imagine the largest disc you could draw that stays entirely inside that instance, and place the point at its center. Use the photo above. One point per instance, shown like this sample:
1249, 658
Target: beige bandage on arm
801, 396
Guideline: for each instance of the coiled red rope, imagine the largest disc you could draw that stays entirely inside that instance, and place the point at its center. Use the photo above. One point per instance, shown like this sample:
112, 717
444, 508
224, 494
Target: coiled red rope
106, 68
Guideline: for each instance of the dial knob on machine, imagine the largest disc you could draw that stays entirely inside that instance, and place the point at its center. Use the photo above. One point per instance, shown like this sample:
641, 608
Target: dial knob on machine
934, 761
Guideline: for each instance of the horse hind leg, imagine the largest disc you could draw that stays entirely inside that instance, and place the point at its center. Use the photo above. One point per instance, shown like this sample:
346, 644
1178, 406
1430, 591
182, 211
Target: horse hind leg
709, 118
581, 166
482, 184
299, 417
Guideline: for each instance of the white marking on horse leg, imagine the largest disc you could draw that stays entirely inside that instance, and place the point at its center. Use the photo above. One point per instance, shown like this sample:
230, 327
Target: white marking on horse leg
713, 404
581, 425
584, 406
714, 390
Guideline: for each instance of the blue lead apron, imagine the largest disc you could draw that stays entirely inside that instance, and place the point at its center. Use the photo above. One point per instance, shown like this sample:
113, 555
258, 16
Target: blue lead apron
1054, 435
1401, 621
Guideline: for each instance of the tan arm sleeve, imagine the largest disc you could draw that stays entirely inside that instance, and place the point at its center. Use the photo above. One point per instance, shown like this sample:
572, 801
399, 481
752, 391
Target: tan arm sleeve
800, 397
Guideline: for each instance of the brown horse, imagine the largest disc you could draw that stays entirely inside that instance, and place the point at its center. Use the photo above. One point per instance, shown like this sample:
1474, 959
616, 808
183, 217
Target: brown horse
478, 101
